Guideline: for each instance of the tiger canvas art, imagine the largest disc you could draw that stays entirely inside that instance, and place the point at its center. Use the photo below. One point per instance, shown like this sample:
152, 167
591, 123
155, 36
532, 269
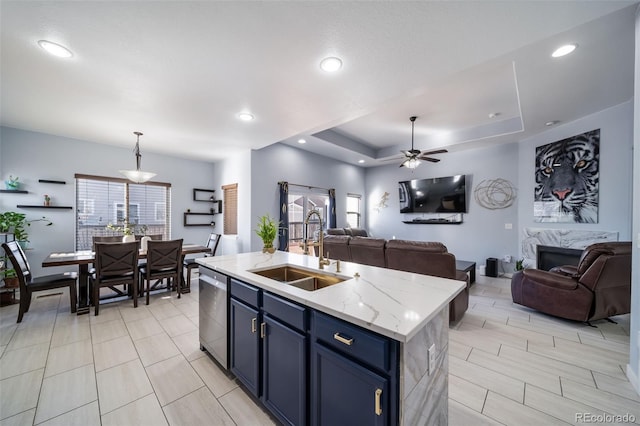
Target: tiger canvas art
567, 179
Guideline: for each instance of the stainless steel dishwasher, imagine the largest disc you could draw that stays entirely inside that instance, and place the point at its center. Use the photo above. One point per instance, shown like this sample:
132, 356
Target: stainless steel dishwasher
213, 312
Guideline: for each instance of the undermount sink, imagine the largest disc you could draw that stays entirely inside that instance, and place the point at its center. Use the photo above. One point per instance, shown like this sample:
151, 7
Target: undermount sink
301, 278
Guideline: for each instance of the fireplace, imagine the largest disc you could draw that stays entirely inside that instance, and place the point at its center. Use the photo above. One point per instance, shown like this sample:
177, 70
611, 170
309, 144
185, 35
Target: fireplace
549, 256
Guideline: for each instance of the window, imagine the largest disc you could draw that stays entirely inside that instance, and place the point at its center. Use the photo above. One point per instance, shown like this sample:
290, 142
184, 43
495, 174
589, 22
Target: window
102, 200
121, 213
86, 206
230, 208
300, 203
353, 210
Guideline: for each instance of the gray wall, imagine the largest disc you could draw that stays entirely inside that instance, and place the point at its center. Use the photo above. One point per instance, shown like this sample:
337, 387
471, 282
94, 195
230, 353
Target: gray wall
633, 369
483, 232
33, 156
616, 155
281, 162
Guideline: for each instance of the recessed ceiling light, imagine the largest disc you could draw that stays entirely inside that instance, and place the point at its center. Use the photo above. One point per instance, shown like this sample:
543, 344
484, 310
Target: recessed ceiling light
564, 50
360, 161
245, 116
331, 64
301, 141
55, 49
551, 123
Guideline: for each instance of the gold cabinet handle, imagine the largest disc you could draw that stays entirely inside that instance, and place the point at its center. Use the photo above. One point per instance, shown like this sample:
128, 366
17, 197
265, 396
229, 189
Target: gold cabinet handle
341, 339
263, 328
253, 324
378, 405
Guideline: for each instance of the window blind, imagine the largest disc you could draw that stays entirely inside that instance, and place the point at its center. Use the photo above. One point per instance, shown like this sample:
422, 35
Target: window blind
103, 200
230, 208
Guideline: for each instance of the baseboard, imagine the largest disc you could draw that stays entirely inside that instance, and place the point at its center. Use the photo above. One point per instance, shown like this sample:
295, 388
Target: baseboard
633, 379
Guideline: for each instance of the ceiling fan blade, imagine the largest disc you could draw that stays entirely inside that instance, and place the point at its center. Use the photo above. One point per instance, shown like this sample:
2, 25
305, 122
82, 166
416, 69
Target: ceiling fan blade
394, 159
433, 160
438, 151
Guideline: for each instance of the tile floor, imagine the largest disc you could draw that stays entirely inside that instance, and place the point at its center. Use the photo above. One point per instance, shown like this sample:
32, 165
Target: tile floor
508, 365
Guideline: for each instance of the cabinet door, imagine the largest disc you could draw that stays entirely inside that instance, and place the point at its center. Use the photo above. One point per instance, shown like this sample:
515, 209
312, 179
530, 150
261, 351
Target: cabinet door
284, 374
245, 344
346, 393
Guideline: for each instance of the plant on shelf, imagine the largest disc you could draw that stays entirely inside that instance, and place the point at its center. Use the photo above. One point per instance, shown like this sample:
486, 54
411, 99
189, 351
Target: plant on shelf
16, 224
12, 183
267, 230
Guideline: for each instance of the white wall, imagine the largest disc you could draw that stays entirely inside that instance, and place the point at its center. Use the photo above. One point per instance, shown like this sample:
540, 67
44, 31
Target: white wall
616, 155
33, 156
280, 162
236, 169
633, 369
483, 232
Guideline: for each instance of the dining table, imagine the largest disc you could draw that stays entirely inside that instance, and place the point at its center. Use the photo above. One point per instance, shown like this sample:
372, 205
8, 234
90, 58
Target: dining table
84, 258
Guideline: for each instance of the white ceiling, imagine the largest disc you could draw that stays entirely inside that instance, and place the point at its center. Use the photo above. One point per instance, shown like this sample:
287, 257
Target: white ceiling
180, 72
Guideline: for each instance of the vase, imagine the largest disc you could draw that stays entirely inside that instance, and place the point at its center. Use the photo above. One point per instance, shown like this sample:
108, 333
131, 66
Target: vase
143, 242
11, 186
128, 238
269, 248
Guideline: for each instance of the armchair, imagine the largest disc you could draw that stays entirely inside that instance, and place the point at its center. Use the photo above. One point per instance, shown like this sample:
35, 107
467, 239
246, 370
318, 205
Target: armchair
599, 287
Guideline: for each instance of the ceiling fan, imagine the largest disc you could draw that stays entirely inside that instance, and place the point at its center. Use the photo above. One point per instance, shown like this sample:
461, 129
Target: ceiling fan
413, 156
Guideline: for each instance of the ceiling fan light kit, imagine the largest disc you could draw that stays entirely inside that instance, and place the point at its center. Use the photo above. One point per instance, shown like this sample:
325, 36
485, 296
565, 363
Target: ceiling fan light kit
413, 156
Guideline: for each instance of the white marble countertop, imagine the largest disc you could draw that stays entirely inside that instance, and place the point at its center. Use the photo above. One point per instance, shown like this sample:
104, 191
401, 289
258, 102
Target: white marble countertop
393, 303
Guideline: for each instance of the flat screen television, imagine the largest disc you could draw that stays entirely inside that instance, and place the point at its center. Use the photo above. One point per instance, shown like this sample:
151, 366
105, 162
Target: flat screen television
435, 195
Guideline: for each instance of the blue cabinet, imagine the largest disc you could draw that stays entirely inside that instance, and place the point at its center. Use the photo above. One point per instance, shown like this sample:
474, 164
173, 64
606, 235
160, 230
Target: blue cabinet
284, 372
308, 367
245, 344
269, 350
346, 393
354, 374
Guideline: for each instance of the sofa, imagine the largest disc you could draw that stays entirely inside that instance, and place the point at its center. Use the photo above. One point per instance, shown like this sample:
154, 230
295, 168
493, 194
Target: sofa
598, 287
427, 258
353, 232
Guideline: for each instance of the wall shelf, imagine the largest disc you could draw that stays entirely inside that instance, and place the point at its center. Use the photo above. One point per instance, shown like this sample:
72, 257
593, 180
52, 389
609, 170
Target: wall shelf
24, 206
199, 197
13, 191
186, 219
59, 182
432, 222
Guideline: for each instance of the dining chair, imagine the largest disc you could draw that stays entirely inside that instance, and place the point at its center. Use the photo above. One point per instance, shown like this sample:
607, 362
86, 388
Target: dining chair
212, 244
115, 264
30, 284
108, 239
164, 260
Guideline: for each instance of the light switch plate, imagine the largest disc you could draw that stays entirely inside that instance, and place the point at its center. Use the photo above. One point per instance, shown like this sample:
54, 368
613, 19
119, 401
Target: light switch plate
432, 358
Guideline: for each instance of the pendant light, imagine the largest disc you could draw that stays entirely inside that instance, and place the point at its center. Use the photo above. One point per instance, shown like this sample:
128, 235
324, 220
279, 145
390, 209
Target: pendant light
137, 175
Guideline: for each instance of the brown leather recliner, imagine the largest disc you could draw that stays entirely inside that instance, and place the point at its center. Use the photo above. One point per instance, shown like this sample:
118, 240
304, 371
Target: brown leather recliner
599, 287
429, 258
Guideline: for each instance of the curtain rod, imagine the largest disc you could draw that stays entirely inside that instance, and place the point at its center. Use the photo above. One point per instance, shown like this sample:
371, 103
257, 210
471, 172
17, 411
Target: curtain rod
303, 186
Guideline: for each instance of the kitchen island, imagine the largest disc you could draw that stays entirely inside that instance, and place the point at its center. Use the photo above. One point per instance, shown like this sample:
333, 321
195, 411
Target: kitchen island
408, 310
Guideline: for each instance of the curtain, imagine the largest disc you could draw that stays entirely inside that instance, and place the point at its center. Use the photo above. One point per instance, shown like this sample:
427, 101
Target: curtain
332, 208
283, 231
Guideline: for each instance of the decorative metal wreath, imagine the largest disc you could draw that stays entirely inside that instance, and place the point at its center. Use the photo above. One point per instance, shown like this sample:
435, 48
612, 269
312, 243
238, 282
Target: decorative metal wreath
494, 194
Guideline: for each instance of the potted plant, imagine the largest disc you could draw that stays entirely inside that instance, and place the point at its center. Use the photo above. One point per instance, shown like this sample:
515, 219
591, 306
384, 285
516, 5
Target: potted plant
12, 183
17, 223
520, 264
267, 230
9, 277
126, 228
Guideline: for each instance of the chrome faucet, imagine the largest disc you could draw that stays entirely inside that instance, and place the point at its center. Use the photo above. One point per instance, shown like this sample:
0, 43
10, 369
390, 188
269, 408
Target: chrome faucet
322, 262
